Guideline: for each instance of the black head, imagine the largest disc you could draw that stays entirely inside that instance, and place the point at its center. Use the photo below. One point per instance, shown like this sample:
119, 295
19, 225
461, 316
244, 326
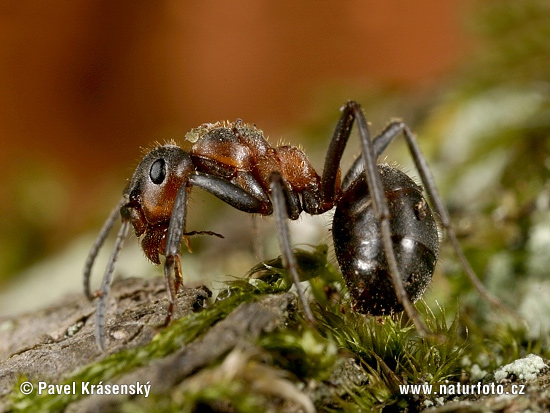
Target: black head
152, 192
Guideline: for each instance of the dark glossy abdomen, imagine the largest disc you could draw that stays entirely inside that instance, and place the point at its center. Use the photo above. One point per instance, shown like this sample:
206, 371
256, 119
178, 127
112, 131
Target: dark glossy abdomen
359, 249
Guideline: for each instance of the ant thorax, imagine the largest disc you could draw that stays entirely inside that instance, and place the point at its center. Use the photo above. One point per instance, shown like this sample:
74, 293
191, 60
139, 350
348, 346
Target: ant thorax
239, 152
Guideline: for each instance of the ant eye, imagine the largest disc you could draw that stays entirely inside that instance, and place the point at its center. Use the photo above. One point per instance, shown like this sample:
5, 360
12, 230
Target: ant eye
158, 171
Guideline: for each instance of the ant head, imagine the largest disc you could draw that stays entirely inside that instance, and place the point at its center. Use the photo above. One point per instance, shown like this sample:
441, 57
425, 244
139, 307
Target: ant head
151, 194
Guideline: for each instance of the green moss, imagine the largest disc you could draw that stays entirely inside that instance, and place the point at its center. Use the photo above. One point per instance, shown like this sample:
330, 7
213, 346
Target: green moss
386, 352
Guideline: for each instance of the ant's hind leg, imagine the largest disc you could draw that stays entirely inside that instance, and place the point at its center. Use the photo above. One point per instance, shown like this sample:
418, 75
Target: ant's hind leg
429, 184
284, 206
366, 164
380, 142
381, 209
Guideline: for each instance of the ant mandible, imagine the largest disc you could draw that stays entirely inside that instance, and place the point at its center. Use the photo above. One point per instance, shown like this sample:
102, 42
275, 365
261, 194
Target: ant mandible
385, 235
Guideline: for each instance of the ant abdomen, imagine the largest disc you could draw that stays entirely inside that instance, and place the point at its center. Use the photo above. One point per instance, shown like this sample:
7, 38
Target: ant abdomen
359, 249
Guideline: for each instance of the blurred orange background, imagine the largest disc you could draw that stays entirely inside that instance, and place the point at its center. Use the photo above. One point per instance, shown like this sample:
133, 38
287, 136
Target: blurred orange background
85, 84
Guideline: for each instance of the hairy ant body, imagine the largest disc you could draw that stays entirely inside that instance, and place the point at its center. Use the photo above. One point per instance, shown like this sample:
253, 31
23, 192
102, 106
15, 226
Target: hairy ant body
385, 236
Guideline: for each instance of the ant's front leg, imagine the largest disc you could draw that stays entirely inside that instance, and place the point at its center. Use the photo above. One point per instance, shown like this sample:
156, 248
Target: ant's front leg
222, 189
92, 255
172, 265
174, 237
106, 285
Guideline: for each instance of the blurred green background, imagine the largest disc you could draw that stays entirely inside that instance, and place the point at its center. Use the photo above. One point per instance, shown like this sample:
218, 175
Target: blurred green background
86, 85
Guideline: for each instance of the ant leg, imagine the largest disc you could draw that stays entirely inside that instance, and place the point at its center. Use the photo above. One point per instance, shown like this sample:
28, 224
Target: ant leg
227, 192
282, 203
380, 143
429, 183
231, 194
367, 162
334, 154
381, 209
336, 149
103, 233
106, 285
172, 264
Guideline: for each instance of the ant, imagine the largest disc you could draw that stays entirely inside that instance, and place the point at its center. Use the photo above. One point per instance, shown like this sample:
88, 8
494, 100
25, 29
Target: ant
385, 235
